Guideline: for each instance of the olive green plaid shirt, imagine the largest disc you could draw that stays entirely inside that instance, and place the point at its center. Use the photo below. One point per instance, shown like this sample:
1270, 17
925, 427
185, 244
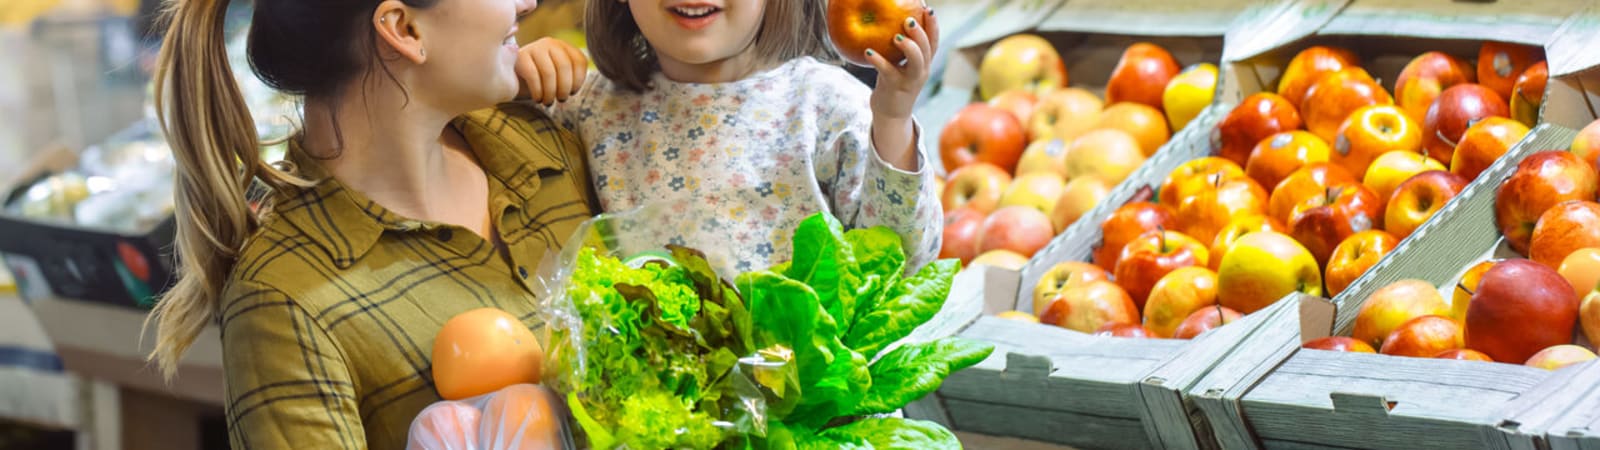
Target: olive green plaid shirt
329, 316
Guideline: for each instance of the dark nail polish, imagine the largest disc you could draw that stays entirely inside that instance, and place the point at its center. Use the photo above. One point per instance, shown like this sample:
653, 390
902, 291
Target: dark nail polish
911, 23
899, 37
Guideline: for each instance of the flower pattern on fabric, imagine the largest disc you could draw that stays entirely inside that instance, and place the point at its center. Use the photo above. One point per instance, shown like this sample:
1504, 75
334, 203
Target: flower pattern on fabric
742, 163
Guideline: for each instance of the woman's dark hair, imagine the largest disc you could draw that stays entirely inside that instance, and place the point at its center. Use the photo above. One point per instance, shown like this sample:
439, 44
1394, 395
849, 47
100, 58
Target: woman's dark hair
293, 44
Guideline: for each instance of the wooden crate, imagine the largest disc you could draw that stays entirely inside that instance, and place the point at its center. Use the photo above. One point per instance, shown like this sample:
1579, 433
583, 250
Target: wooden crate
1272, 394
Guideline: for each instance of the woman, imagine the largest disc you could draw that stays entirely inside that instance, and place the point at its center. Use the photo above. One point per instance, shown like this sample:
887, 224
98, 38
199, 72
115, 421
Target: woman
400, 207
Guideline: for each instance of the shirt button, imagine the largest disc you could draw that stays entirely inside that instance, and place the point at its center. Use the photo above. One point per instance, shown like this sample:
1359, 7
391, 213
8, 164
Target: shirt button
446, 234
523, 271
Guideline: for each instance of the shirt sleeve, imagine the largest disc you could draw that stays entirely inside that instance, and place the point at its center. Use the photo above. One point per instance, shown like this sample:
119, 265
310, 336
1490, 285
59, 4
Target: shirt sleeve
288, 383
867, 191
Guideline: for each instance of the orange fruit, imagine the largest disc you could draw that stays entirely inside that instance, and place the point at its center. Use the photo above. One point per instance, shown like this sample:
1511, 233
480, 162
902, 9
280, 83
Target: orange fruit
482, 351
521, 416
446, 425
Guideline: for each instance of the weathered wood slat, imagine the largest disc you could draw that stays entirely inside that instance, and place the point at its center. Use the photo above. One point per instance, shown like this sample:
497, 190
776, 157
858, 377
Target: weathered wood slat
1571, 415
1085, 431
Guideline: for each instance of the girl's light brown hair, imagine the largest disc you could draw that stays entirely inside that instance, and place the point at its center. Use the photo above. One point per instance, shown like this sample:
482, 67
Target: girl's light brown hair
790, 29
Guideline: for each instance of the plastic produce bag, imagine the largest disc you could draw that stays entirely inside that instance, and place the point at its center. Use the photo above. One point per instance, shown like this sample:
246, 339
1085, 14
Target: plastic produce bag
518, 417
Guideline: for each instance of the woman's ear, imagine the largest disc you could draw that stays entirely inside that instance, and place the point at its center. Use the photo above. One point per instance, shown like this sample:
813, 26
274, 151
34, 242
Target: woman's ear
396, 25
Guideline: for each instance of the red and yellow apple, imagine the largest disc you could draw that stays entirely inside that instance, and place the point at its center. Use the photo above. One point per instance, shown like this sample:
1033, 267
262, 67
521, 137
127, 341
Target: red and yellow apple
1370, 132
1541, 181
1392, 168
1039, 191
1020, 103
1335, 97
977, 187
1323, 221
1126, 224
1587, 144
1457, 109
1559, 356
1021, 61
1189, 93
1088, 307
1461, 296
982, 133
1393, 305
1205, 319
1063, 276
1310, 65
1589, 317
1263, 267
1108, 153
1178, 295
1004, 259
1354, 256
857, 26
1311, 180
1236, 229
1281, 154
1462, 354
1141, 75
1064, 114
1581, 268
1500, 63
1427, 75
1424, 337
1417, 199
1077, 198
1339, 344
1021, 229
1044, 156
1153, 255
1195, 176
1563, 229
1483, 143
1203, 215
1257, 117
1144, 123
1520, 308
1527, 95
1124, 330
961, 229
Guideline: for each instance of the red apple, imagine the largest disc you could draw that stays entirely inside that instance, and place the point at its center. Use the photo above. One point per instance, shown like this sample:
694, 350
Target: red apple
1324, 221
1457, 109
1563, 229
1541, 181
1337, 95
1063, 276
1124, 330
1153, 255
1310, 65
1339, 344
1259, 116
977, 187
1141, 75
1499, 64
1145, 124
1205, 319
1193, 177
1483, 143
1311, 180
1354, 256
1088, 307
1559, 356
982, 133
1126, 224
1281, 154
1464, 355
1417, 199
1587, 144
1520, 308
1020, 229
1424, 337
1021, 61
1203, 215
1427, 75
961, 229
1017, 101
856, 26
1528, 94
1394, 305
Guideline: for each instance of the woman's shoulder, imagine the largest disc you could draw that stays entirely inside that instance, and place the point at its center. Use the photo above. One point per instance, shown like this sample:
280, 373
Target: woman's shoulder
517, 133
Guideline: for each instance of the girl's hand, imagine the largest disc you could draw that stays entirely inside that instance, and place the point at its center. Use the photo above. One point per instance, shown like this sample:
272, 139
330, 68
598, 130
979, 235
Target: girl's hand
898, 85
551, 70
893, 135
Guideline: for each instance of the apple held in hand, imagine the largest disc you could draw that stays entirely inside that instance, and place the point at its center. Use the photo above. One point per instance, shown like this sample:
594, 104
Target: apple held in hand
961, 229
1559, 356
1022, 61
1205, 319
1354, 256
1063, 276
1152, 256
978, 187
1338, 344
1257, 117
1370, 132
1394, 305
1520, 308
1424, 337
1281, 154
1178, 295
1087, 308
1425, 77
1263, 267
1457, 109
1541, 181
855, 26
982, 133
1484, 143
1020, 229
1141, 75
1126, 224
1310, 65
1417, 199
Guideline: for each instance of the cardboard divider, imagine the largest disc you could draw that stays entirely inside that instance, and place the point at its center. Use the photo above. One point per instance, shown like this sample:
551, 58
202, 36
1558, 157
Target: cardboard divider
1572, 98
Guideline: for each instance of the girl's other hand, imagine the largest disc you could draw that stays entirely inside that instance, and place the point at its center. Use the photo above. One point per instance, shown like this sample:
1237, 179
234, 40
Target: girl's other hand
551, 70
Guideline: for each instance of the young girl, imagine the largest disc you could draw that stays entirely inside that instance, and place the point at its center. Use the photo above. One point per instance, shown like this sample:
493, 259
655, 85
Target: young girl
726, 112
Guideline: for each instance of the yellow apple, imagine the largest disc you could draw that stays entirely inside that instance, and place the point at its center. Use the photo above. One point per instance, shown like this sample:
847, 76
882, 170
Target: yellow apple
1589, 317
1018, 316
1188, 93
1064, 114
1395, 304
1040, 191
1111, 154
1395, 167
1021, 61
1080, 195
1044, 156
1179, 294
1263, 267
1004, 259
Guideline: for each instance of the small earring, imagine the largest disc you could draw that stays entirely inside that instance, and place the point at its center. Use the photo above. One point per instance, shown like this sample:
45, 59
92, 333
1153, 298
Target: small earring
422, 52
384, 19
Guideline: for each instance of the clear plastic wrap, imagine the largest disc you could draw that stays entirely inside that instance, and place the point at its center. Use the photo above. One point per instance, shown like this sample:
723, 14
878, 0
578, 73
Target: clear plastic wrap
517, 417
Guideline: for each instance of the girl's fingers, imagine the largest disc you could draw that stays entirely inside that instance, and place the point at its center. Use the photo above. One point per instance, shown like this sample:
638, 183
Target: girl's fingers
886, 70
564, 81
916, 62
547, 76
528, 73
580, 67
930, 25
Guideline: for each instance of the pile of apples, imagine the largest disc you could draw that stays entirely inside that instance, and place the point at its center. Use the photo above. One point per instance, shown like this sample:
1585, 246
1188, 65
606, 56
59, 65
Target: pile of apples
1311, 185
1036, 155
1512, 310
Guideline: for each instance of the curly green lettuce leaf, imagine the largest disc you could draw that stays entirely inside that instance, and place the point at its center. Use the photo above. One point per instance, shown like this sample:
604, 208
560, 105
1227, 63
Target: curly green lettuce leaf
912, 371
660, 420
909, 304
